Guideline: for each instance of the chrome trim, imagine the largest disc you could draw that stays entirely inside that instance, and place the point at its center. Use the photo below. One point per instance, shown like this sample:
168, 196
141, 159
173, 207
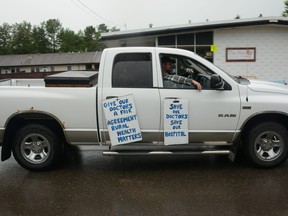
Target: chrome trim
205, 137
115, 153
81, 136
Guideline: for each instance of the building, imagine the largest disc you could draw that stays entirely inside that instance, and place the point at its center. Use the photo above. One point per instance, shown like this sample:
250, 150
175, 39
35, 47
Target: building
51, 62
256, 48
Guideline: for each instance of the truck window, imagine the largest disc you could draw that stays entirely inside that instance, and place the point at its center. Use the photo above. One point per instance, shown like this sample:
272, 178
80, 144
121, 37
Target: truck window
189, 68
132, 70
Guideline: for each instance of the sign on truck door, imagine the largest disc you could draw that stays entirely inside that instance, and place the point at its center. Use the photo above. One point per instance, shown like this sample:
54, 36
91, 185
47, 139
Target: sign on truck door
212, 113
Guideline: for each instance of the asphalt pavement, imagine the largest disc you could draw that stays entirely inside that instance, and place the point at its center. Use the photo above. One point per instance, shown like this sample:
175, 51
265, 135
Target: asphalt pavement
87, 183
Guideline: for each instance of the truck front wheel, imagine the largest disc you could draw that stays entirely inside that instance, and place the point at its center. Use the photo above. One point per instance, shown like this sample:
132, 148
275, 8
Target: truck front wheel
36, 147
266, 144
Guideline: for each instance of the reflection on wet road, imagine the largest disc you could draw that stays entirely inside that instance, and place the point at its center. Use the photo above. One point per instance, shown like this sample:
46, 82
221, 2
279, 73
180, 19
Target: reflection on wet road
90, 184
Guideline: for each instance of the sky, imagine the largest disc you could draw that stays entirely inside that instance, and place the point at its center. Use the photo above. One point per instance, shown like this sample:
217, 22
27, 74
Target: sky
133, 14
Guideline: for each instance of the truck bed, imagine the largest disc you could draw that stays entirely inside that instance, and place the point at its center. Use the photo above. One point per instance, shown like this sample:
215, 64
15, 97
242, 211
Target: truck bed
65, 79
22, 82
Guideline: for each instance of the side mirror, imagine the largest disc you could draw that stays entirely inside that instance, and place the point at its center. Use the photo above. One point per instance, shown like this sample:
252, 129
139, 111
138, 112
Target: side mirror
216, 82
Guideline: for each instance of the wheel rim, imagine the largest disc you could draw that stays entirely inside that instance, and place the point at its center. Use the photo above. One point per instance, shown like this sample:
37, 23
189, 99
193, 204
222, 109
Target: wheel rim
269, 146
35, 148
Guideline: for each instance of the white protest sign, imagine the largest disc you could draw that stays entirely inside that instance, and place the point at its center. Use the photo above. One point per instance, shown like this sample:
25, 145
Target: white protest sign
121, 120
176, 121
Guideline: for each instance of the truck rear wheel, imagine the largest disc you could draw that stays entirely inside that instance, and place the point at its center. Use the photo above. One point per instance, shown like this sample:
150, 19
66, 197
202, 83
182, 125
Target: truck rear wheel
36, 147
266, 144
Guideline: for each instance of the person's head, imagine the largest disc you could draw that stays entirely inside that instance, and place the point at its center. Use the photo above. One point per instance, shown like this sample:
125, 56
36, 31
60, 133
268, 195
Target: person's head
167, 64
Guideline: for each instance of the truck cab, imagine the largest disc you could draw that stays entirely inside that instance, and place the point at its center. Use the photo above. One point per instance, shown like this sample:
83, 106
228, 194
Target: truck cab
139, 72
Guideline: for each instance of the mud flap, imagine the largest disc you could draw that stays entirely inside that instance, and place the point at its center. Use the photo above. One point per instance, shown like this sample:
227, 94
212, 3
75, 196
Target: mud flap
5, 152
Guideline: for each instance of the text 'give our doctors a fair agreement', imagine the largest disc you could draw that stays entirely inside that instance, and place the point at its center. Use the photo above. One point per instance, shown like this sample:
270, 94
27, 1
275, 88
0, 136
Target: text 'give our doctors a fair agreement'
122, 120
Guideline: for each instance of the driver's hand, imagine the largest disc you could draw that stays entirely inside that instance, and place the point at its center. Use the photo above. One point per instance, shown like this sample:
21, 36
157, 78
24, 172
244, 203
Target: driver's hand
197, 85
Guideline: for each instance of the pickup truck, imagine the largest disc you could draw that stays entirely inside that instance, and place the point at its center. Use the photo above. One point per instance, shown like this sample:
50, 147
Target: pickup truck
126, 108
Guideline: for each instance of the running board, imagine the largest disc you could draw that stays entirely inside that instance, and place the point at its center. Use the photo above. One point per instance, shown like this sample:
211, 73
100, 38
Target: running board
139, 153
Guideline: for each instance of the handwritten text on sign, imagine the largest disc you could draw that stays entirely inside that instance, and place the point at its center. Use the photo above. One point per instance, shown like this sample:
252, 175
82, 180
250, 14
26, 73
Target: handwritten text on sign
175, 121
121, 120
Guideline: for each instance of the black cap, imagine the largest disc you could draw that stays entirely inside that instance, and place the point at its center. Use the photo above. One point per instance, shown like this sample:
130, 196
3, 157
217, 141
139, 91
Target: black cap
167, 59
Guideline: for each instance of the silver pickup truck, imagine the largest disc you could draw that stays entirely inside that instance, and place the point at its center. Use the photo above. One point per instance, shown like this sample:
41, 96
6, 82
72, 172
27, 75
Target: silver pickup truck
127, 108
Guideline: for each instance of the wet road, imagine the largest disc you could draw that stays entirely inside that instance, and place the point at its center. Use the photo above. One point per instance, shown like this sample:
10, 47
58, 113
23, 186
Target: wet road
91, 184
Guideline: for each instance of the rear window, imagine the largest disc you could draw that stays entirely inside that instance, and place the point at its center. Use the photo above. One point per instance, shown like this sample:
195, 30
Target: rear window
132, 70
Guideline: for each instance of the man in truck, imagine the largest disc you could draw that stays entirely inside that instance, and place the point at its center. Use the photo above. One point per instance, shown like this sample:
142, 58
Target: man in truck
167, 67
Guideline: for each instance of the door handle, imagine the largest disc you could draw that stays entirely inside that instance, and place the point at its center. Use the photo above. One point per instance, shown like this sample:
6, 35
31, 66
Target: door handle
110, 97
176, 100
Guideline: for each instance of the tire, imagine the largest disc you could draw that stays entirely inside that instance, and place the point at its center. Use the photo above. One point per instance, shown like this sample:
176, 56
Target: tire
36, 148
266, 145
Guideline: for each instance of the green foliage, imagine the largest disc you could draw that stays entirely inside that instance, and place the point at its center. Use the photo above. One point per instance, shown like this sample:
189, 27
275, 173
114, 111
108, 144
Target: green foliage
39, 40
5, 39
71, 42
285, 12
91, 38
22, 38
53, 29
49, 36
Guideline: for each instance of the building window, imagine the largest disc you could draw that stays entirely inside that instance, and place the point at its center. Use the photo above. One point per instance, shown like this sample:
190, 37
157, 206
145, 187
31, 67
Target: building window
5, 71
88, 66
167, 40
205, 52
52, 68
44, 69
185, 39
204, 38
199, 43
69, 67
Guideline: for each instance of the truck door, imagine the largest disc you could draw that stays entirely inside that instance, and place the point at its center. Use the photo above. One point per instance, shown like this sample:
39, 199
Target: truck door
132, 73
213, 113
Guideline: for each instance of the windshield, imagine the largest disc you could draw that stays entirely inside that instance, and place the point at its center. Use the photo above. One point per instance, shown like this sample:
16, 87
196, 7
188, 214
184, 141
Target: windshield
239, 79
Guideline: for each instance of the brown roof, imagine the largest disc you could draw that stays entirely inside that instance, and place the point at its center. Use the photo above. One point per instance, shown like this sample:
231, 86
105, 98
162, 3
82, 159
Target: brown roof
50, 59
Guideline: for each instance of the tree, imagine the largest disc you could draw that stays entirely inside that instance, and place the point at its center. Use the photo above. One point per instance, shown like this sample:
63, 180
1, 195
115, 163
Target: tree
53, 29
5, 39
49, 37
91, 38
71, 42
102, 28
40, 41
285, 12
114, 29
22, 38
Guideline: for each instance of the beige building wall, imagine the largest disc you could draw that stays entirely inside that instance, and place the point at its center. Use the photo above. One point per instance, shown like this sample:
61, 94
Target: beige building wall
271, 45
